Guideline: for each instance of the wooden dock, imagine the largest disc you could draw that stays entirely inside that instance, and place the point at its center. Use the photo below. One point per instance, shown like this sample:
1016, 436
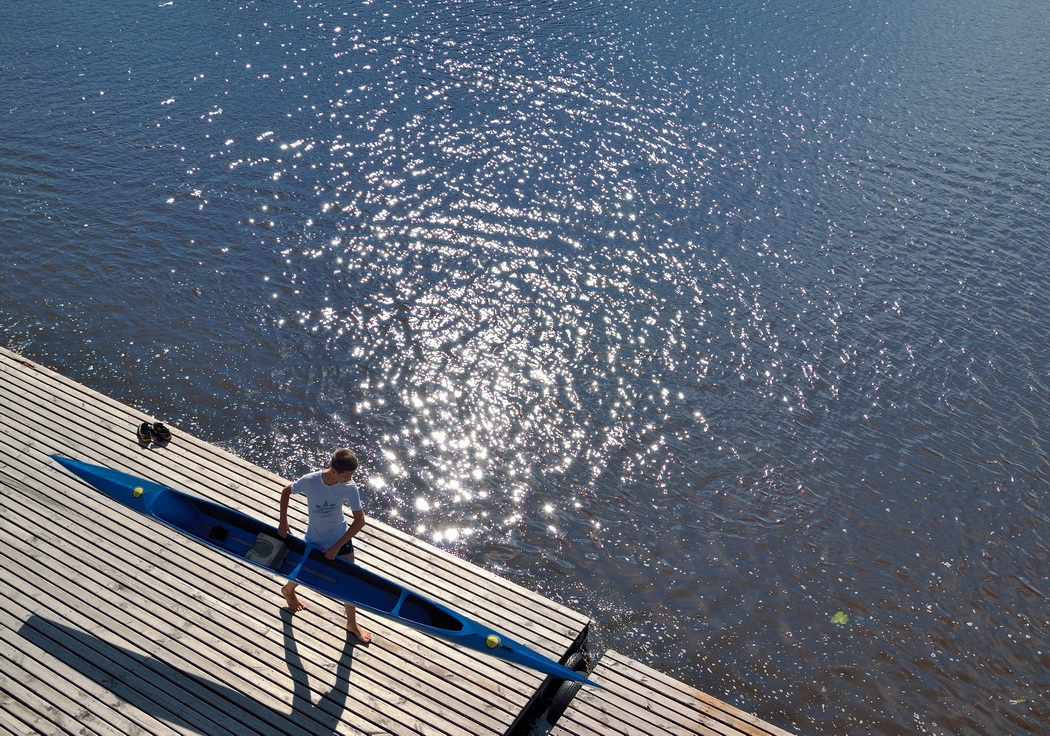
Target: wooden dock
113, 624
636, 700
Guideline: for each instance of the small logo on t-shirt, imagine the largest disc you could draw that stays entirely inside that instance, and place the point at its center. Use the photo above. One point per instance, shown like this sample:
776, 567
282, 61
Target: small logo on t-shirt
326, 509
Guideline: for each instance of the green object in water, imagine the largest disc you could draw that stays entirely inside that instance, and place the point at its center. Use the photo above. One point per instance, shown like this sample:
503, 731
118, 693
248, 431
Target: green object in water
840, 618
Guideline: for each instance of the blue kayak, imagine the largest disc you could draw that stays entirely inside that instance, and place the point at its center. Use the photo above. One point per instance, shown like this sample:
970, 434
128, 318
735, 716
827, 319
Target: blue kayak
256, 542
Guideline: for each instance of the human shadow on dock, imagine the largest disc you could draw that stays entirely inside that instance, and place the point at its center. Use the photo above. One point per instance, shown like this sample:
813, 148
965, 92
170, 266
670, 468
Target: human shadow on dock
333, 703
187, 700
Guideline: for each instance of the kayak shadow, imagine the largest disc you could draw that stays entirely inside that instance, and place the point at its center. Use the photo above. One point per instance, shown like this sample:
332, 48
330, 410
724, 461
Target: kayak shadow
181, 698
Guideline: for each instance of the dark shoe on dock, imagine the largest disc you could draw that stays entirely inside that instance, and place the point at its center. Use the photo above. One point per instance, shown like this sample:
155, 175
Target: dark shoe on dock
145, 433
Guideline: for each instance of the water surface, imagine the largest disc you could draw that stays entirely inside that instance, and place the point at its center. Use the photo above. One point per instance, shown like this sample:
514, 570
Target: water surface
721, 323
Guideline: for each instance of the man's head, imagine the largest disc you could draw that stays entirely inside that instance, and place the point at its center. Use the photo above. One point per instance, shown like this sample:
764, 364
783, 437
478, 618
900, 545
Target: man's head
344, 461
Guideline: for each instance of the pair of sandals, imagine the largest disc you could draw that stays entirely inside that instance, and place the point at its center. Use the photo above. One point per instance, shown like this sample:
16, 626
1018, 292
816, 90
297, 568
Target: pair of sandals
155, 432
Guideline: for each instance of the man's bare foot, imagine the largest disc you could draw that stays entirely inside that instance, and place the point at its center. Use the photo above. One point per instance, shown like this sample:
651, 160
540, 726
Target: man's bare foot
364, 635
292, 599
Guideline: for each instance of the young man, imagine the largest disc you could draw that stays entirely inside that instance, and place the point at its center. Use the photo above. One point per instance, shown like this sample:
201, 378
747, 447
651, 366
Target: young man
326, 491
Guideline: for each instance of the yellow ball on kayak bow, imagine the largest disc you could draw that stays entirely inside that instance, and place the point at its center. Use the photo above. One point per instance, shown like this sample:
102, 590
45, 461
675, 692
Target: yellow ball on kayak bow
492, 641
136, 491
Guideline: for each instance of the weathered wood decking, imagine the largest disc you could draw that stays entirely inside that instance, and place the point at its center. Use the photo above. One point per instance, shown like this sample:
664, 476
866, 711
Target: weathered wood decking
639, 701
110, 624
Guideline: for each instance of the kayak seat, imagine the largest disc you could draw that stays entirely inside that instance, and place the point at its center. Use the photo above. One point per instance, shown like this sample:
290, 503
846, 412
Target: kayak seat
267, 551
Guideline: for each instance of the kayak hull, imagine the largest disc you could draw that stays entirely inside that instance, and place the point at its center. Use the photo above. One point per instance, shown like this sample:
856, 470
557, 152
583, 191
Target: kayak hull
255, 542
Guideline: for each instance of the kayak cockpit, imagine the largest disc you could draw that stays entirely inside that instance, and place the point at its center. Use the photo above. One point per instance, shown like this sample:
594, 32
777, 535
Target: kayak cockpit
426, 613
175, 509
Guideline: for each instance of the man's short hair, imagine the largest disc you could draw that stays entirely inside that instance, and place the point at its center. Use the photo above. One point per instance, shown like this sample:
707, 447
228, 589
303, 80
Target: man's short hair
344, 461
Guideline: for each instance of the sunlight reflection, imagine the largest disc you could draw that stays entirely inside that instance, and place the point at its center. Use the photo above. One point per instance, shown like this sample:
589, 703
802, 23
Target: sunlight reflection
497, 296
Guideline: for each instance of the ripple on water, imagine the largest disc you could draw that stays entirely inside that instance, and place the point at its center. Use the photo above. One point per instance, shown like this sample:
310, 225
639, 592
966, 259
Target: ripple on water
738, 306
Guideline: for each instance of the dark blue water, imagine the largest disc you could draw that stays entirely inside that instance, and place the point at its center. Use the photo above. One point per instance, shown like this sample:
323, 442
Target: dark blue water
723, 323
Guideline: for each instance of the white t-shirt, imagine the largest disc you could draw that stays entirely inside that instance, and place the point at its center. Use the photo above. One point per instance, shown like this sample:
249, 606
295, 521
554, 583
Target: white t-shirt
325, 503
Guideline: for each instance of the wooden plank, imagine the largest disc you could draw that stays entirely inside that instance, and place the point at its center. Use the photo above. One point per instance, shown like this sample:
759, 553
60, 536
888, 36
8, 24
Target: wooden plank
7, 724
51, 684
151, 589
111, 535
90, 603
640, 701
486, 665
466, 595
109, 427
130, 619
270, 503
60, 598
568, 623
685, 699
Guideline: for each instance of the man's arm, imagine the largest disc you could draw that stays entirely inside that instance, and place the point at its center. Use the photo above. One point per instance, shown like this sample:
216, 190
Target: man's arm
282, 525
357, 525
